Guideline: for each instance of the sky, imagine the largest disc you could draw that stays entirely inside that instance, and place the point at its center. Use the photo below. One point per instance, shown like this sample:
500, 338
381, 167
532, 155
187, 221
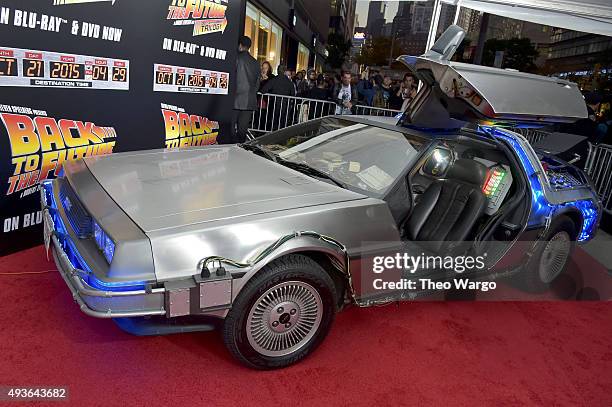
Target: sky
362, 10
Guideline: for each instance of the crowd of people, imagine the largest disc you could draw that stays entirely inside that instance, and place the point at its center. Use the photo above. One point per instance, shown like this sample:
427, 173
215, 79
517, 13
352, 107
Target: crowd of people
346, 89
597, 127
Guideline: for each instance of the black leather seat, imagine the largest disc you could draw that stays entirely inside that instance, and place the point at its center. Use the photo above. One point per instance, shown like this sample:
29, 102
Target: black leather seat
448, 210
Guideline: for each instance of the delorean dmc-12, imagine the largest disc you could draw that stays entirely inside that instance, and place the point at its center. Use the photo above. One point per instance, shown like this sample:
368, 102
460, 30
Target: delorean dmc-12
267, 238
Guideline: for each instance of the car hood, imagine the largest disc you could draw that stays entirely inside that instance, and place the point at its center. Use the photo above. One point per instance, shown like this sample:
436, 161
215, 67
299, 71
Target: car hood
173, 188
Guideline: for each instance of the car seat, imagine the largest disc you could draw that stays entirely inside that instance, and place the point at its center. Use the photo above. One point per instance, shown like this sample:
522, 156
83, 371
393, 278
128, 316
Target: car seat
448, 210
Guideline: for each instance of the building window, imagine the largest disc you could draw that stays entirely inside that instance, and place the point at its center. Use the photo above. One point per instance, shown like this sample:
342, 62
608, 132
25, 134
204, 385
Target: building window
265, 34
302, 58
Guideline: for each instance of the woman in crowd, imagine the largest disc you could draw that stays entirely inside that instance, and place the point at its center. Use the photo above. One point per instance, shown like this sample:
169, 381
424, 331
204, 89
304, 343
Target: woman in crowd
266, 74
261, 116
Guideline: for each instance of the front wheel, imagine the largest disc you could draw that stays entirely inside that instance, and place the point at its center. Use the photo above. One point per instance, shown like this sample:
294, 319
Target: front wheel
282, 314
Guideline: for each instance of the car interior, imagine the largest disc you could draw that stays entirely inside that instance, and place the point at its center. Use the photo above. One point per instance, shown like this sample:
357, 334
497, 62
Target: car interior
456, 190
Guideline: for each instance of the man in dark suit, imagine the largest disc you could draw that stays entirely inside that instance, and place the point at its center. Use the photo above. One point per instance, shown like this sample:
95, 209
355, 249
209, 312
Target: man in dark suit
280, 84
280, 110
248, 74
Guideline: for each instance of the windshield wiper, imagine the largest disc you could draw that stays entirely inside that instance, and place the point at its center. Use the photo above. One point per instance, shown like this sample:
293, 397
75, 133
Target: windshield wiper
308, 170
258, 149
301, 167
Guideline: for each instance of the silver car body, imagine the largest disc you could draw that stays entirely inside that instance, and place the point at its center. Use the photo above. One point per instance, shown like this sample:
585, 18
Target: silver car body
167, 210
173, 213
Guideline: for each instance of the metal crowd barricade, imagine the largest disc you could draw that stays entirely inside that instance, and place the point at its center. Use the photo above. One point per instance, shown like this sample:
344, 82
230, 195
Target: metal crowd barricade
599, 168
276, 112
375, 111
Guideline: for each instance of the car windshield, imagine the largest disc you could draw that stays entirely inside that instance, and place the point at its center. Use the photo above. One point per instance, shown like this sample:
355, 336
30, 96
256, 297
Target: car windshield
360, 157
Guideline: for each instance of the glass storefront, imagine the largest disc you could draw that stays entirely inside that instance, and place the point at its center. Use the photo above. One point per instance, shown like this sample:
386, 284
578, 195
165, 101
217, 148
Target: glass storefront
266, 36
302, 58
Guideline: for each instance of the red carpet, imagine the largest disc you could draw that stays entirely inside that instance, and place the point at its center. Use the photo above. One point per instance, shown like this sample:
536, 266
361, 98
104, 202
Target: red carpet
422, 353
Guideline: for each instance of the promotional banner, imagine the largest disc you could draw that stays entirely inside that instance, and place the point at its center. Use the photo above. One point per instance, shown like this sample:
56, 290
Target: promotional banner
91, 77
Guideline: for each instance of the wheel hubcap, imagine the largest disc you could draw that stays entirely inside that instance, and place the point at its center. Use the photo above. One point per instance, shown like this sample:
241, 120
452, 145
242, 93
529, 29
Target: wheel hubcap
284, 318
554, 257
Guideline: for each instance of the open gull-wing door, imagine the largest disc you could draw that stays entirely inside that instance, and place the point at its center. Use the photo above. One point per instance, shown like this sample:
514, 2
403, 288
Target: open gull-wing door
454, 93
592, 16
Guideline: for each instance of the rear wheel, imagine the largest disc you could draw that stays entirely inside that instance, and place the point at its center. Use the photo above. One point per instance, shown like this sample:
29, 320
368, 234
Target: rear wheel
550, 260
282, 314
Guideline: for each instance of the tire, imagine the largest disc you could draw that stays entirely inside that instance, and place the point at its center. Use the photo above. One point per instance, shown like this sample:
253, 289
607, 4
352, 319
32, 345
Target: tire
282, 314
549, 263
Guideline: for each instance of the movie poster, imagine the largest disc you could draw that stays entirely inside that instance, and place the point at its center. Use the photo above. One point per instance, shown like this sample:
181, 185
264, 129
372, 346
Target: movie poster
80, 78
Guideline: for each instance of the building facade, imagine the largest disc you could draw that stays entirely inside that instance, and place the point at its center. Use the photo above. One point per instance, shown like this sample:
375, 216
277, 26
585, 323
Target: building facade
292, 32
412, 23
342, 18
402, 20
541, 37
376, 18
581, 57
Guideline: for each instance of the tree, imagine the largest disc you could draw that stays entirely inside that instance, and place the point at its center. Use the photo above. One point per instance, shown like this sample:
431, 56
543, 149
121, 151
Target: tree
338, 48
376, 52
519, 53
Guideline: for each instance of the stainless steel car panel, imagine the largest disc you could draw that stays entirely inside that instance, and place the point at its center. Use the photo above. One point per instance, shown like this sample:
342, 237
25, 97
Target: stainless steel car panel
177, 252
501, 94
104, 304
513, 94
176, 188
133, 259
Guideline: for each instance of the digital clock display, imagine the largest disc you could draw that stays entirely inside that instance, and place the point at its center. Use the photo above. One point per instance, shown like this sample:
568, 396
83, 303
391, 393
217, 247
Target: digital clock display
67, 70
8, 66
99, 73
223, 82
182, 79
119, 74
33, 68
196, 80
164, 78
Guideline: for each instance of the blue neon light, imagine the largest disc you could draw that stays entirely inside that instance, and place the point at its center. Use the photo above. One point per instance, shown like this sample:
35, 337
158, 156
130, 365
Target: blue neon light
93, 281
590, 214
541, 208
104, 242
75, 257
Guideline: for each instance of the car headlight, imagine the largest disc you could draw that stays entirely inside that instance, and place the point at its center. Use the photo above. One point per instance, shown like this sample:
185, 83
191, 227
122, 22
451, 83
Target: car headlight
104, 242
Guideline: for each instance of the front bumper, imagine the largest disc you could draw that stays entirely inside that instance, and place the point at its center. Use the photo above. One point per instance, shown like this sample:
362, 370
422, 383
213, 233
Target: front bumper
92, 301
